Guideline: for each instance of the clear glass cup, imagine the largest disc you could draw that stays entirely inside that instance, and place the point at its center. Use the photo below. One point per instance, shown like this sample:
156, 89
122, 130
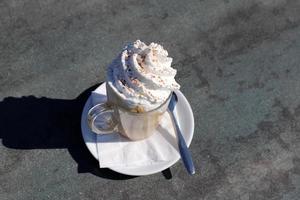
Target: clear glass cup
111, 117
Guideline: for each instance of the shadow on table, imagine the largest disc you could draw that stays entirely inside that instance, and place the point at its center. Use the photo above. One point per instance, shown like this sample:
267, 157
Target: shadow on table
43, 123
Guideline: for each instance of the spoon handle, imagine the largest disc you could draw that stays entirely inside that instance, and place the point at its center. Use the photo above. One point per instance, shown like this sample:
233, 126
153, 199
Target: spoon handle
183, 149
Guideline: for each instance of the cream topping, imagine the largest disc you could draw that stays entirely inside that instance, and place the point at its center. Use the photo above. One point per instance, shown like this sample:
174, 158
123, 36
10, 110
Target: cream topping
142, 75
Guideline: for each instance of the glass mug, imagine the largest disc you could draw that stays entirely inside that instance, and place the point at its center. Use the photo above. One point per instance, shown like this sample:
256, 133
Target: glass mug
111, 116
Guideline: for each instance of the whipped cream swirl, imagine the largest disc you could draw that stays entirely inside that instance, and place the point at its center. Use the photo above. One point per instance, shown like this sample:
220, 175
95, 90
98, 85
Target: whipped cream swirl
142, 75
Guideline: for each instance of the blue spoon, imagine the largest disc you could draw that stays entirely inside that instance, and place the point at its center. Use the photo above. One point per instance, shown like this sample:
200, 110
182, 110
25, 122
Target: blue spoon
183, 149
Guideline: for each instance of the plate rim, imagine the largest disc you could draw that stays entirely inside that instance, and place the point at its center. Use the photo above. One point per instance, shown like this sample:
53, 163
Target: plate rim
131, 172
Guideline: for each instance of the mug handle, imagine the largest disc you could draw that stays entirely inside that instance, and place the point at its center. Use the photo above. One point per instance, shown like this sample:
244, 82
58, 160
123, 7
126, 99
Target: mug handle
101, 119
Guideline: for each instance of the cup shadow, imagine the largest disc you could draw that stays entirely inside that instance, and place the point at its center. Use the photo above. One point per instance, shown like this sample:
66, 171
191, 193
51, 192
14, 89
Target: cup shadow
43, 123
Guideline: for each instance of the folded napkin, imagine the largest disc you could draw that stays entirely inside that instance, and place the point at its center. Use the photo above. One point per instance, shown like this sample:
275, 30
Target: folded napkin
117, 151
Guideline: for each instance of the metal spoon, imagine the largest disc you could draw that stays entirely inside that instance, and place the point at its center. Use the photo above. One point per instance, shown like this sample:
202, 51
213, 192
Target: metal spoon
183, 149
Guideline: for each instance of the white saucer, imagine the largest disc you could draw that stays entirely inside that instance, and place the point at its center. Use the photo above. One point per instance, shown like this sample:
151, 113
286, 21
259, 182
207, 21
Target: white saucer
186, 123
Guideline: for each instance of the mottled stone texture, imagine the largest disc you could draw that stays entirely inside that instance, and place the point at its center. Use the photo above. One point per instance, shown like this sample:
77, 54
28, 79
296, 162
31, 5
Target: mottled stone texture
238, 64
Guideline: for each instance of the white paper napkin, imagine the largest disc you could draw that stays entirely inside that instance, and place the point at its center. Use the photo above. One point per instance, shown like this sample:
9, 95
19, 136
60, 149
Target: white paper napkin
117, 151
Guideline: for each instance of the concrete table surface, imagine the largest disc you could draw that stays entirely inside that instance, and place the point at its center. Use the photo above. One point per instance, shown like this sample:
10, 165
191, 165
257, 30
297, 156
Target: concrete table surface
238, 64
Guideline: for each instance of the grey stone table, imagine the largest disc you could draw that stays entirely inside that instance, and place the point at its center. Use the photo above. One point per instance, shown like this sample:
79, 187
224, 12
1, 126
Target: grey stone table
238, 64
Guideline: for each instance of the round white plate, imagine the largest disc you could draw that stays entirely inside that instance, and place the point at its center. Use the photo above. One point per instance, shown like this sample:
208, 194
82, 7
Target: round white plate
185, 118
